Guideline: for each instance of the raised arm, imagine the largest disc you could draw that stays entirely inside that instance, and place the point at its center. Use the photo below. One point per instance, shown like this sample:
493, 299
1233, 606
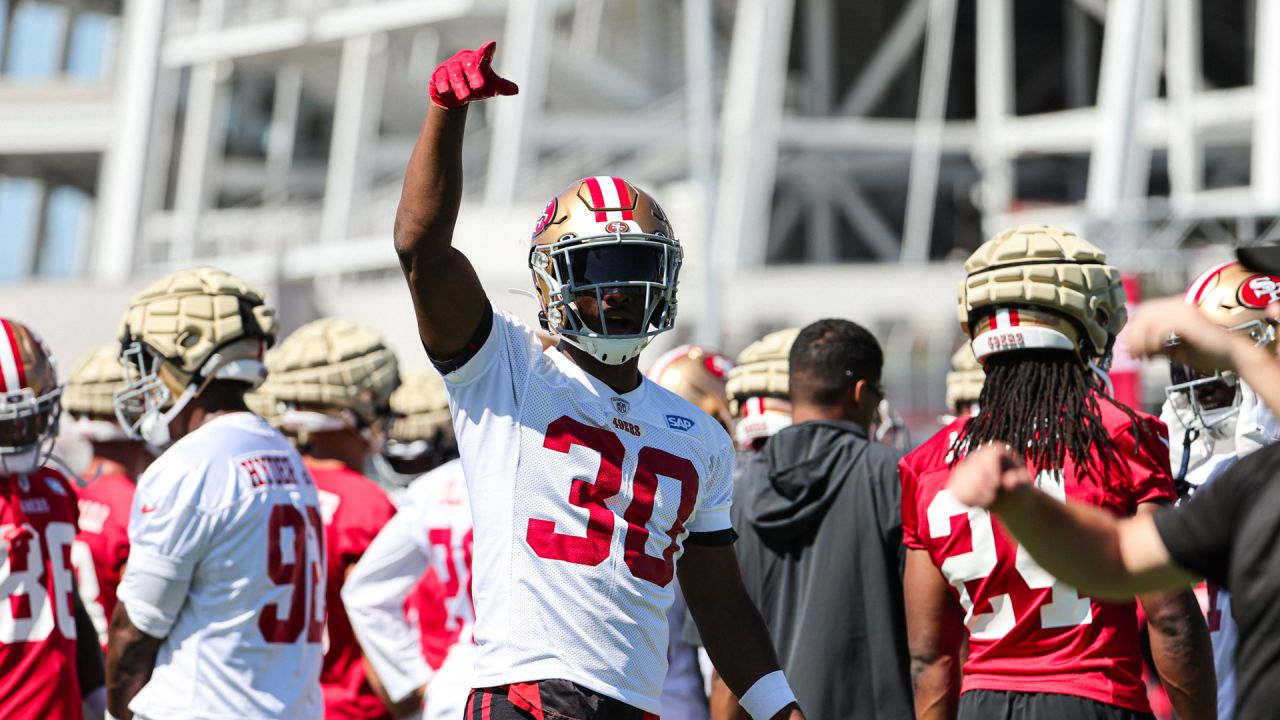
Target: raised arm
447, 295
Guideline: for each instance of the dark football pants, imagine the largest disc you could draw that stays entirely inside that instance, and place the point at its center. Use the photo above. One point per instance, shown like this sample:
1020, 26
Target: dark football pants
547, 700
1000, 705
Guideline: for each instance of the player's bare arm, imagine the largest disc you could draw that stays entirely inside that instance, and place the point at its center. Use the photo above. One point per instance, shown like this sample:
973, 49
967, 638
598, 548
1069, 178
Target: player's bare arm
935, 632
723, 703
131, 656
408, 706
1172, 327
1088, 548
1181, 648
446, 293
89, 669
732, 630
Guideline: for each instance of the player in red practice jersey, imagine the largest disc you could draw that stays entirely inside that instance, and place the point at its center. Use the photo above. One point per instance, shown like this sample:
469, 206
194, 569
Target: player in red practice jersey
102, 543
38, 604
329, 385
1043, 310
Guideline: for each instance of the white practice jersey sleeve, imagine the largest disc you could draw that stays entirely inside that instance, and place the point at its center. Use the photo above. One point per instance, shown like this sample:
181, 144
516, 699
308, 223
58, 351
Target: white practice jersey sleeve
227, 565
584, 499
431, 532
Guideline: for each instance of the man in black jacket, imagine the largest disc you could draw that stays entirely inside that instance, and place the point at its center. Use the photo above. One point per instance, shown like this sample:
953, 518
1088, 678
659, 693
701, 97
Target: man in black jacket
820, 546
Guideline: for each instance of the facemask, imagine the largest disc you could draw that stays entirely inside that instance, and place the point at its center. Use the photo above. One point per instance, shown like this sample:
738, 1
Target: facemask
1191, 448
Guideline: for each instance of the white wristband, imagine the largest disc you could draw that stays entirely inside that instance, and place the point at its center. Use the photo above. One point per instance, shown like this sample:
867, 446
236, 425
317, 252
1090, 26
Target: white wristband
767, 696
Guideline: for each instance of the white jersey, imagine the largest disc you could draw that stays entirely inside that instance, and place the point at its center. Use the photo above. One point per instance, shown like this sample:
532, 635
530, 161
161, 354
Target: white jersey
583, 500
1215, 602
228, 517
430, 532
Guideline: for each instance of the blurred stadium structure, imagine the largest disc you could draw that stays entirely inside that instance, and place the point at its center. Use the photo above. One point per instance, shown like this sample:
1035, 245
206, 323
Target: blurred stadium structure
820, 157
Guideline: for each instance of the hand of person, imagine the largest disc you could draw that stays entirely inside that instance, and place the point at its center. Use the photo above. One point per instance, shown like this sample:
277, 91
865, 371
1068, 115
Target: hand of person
979, 479
468, 76
791, 712
1198, 342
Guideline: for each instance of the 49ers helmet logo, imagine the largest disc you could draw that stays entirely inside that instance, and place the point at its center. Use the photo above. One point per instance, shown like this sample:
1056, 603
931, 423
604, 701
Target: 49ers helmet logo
548, 214
1260, 291
617, 226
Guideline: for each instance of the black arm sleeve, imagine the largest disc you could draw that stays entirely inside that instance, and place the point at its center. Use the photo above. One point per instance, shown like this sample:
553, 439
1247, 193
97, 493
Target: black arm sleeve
1199, 534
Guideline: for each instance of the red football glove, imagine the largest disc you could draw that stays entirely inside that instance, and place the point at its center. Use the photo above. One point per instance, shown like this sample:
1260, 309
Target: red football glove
467, 76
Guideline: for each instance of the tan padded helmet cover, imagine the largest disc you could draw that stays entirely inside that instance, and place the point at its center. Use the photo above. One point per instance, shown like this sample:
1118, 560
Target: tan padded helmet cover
762, 369
1048, 267
335, 364
965, 381
190, 315
421, 407
92, 384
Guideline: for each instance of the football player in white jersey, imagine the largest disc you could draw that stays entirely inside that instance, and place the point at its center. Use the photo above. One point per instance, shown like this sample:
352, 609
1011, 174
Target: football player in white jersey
221, 609
1214, 420
588, 482
418, 570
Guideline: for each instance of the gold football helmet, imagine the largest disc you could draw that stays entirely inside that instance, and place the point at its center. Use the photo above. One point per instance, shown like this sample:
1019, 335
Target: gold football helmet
330, 374
1234, 298
89, 395
964, 382
30, 399
699, 375
599, 237
1038, 286
421, 422
181, 333
758, 388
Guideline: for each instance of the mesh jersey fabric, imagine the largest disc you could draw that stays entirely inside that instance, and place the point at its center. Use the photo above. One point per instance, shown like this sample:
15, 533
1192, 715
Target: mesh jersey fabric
409, 597
582, 500
37, 631
1029, 632
102, 546
230, 512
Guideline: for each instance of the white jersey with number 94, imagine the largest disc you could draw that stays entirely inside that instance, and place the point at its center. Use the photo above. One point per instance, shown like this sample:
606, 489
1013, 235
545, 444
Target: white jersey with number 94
582, 499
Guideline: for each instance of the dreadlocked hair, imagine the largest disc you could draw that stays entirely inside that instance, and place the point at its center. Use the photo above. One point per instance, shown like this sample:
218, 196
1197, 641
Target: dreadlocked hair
1047, 402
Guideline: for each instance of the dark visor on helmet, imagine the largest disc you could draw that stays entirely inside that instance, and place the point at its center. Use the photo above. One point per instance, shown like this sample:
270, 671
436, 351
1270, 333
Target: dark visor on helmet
606, 264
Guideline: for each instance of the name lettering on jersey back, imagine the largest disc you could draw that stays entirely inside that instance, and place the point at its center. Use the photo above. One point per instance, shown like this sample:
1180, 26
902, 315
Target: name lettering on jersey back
93, 515
272, 470
625, 426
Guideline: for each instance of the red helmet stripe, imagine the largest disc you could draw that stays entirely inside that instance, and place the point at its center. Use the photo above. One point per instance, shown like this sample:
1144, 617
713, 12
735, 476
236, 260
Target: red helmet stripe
1201, 283
12, 376
597, 198
1013, 317
624, 198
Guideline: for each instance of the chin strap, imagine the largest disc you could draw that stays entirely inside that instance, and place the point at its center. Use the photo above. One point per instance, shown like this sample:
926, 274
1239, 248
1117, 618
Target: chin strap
1180, 483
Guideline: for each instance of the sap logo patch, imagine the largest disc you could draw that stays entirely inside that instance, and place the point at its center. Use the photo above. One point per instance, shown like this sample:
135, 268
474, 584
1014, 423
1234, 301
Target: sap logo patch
678, 422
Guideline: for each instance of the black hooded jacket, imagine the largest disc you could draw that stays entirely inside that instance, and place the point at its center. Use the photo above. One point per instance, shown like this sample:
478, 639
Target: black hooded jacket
818, 513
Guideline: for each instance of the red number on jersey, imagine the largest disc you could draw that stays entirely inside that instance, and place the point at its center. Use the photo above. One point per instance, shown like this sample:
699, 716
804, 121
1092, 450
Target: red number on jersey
304, 607
456, 572
33, 608
593, 549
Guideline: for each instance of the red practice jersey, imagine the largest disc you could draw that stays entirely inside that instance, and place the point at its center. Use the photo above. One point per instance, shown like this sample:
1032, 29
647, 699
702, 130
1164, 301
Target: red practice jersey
354, 509
37, 619
102, 545
1029, 632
